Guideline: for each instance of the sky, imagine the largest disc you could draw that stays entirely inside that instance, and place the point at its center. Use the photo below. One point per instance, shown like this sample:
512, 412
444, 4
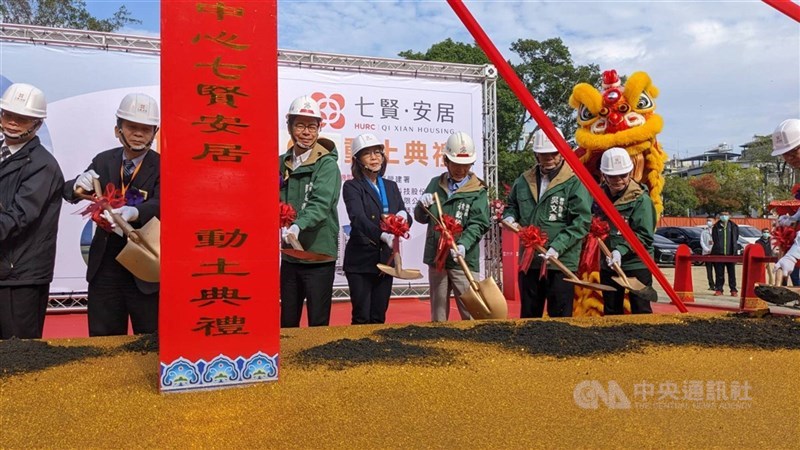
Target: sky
726, 70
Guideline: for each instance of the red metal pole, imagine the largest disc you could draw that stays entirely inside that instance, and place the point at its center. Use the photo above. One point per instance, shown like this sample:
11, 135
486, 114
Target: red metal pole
787, 7
519, 89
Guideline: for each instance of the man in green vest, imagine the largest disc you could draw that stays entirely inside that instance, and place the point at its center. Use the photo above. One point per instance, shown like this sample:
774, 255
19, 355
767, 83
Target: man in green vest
310, 182
551, 197
464, 197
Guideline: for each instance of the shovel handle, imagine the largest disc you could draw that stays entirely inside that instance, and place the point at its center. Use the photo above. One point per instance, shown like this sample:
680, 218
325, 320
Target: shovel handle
294, 242
540, 249
453, 245
614, 266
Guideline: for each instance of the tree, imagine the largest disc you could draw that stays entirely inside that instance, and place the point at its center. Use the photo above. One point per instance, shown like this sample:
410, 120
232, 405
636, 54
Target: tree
548, 72
738, 186
776, 175
679, 197
62, 14
707, 188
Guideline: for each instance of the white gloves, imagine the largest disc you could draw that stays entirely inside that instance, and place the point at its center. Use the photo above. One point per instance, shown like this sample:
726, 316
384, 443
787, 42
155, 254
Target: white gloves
128, 213
403, 215
510, 221
427, 200
462, 251
787, 220
84, 181
551, 253
388, 239
615, 258
786, 265
286, 231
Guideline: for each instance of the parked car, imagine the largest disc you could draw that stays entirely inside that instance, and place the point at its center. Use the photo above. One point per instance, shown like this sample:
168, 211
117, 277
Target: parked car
664, 250
683, 235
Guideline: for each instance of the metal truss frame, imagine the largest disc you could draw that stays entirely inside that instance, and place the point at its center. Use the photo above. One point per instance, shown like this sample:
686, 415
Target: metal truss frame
485, 74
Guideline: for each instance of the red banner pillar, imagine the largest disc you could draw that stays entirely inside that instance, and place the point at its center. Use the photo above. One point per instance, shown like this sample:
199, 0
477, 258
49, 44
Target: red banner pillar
510, 264
753, 271
682, 283
219, 307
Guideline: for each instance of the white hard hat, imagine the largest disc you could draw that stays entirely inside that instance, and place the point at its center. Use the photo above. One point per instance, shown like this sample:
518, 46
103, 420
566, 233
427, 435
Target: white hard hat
460, 149
542, 143
786, 137
139, 108
365, 140
616, 161
304, 106
25, 100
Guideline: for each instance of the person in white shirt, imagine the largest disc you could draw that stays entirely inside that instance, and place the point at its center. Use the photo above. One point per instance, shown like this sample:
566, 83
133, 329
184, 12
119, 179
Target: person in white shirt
706, 242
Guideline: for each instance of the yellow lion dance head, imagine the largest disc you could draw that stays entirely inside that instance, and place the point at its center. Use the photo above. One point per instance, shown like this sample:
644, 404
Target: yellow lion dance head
621, 116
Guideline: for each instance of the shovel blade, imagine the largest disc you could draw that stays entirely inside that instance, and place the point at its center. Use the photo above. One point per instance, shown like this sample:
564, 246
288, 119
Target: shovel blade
632, 284
403, 274
777, 295
142, 263
494, 299
474, 304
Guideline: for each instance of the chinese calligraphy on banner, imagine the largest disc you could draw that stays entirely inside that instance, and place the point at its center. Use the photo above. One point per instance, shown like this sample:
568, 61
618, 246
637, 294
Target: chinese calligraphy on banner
219, 304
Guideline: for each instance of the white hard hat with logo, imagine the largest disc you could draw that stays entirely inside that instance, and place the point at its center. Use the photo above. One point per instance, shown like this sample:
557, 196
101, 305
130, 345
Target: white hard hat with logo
25, 100
365, 140
460, 149
139, 108
616, 161
786, 137
542, 143
304, 106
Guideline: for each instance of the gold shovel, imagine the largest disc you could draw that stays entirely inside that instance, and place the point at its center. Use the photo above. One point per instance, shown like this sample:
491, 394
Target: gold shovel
142, 253
570, 276
398, 271
777, 294
632, 284
483, 299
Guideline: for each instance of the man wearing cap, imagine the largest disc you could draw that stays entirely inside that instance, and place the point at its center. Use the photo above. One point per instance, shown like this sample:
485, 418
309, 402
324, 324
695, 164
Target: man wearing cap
311, 183
368, 198
550, 197
134, 170
786, 144
633, 203
30, 204
725, 235
464, 197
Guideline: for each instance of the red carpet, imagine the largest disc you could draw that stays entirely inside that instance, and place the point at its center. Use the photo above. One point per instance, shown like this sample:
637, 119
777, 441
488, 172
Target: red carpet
401, 310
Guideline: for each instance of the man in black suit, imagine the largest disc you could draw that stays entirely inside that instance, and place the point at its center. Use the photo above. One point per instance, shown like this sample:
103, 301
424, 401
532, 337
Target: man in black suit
134, 170
368, 197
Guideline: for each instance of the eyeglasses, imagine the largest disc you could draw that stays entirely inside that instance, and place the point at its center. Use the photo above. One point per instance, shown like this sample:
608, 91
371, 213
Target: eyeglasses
312, 128
22, 120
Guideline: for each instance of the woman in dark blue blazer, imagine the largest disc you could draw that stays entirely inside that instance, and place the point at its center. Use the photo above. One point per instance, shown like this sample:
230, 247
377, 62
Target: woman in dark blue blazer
368, 197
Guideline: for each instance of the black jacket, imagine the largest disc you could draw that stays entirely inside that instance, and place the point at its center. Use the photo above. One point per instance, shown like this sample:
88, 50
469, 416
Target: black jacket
766, 244
107, 164
725, 238
365, 249
30, 204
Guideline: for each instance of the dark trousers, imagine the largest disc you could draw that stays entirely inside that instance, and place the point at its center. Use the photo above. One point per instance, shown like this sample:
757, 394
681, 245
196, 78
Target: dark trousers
369, 295
114, 297
534, 291
613, 301
720, 268
310, 282
712, 284
22, 310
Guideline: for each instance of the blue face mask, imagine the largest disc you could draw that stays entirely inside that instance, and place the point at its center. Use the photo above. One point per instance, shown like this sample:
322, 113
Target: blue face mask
724, 218
765, 235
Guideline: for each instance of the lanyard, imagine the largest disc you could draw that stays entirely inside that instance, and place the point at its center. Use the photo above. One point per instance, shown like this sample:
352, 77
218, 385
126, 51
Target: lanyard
381, 190
133, 175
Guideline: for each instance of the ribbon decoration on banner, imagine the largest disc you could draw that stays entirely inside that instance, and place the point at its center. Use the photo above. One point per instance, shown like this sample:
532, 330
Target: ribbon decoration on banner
590, 256
287, 215
112, 197
397, 226
531, 238
448, 233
